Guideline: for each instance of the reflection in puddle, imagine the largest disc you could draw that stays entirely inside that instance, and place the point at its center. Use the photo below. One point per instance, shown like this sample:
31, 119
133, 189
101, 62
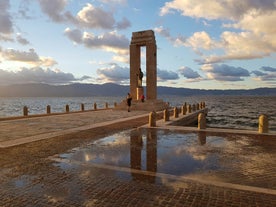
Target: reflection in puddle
168, 152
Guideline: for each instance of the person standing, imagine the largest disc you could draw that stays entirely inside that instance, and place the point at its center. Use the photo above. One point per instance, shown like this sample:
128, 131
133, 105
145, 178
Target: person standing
128, 99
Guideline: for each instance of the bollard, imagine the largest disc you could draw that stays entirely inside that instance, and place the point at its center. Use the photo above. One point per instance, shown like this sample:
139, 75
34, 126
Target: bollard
48, 109
82, 107
203, 104
197, 106
115, 104
95, 106
152, 119
194, 107
25, 111
263, 124
166, 115
67, 108
106, 105
201, 121
175, 112
189, 108
184, 109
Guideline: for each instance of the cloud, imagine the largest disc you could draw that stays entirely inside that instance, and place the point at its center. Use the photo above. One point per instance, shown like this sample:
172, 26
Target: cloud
225, 72
37, 75
164, 75
93, 17
110, 41
22, 40
216, 9
89, 16
189, 73
269, 69
30, 57
53, 9
114, 73
268, 76
6, 24
250, 25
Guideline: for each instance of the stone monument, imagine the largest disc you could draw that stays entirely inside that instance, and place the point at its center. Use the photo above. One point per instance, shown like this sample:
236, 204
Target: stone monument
143, 39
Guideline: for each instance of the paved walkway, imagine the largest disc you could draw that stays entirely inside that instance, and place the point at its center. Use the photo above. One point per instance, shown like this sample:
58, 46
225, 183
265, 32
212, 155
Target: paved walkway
31, 175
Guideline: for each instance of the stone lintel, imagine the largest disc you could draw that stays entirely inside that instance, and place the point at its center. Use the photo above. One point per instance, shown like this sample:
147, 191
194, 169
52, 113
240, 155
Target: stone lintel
142, 38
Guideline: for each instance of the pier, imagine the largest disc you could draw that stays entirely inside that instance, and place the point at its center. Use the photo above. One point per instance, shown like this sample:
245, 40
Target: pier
29, 147
153, 155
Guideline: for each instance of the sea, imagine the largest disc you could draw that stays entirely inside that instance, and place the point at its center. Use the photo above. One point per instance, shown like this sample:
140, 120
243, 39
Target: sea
237, 112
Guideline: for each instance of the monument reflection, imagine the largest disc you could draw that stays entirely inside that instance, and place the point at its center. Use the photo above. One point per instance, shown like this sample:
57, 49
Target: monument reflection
136, 147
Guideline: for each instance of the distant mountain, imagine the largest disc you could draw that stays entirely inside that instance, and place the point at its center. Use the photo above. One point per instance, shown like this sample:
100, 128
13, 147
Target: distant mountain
111, 89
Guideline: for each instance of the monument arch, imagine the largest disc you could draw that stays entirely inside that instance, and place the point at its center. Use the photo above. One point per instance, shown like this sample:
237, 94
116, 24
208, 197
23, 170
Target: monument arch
143, 39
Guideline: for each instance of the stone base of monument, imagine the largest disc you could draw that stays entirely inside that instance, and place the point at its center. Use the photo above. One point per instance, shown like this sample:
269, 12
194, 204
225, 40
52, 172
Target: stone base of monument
147, 105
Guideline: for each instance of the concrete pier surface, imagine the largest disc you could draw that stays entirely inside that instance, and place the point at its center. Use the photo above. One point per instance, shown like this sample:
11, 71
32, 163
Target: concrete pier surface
30, 175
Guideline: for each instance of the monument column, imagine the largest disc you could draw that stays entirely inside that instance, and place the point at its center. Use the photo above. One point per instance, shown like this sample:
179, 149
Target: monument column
151, 62
135, 59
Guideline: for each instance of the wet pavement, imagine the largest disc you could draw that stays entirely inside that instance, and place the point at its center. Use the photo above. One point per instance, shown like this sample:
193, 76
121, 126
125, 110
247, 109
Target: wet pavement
119, 165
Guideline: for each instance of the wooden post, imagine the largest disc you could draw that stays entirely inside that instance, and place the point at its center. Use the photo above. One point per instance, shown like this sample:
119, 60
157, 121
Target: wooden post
201, 121
48, 109
197, 106
263, 124
25, 111
106, 105
82, 107
67, 108
95, 106
115, 104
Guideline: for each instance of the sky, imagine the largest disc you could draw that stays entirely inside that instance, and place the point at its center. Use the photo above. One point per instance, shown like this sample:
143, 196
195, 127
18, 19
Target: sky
210, 44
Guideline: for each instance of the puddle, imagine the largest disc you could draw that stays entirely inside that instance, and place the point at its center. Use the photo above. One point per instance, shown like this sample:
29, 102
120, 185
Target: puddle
164, 151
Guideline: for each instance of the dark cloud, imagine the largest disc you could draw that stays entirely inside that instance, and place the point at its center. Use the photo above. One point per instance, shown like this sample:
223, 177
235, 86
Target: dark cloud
16, 55
114, 73
38, 75
227, 73
269, 75
53, 9
89, 16
6, 25
164, 75
189, 73
22, 40
110, 41
123, 24
268, 69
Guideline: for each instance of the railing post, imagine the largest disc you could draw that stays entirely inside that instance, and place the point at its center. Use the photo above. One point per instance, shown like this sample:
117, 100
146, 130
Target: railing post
166, 115
197, 106
175, 112
152, 119
184, 109
48, 109
263, 124
25, 111
201, 121
189, 108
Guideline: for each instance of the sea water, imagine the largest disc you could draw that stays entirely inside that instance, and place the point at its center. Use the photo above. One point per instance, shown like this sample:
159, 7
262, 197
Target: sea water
240, 112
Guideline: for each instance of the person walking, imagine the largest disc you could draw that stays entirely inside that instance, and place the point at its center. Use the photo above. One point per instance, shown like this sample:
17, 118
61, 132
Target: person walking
128, 99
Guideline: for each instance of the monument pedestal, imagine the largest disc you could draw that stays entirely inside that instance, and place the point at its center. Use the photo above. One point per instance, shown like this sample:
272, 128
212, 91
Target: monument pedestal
139, 92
